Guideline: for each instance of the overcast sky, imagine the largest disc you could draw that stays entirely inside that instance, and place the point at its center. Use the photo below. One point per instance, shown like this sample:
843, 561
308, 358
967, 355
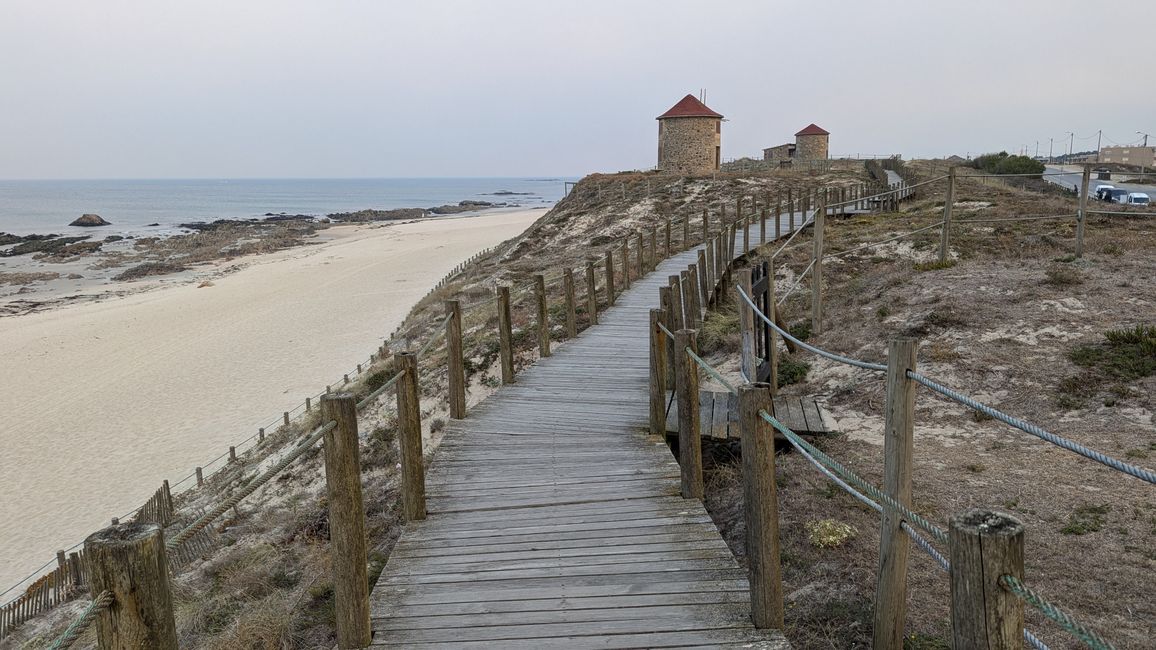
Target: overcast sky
374, 88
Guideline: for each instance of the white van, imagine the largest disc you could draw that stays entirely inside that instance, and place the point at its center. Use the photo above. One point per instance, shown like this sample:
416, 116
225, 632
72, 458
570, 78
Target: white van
1137, 198
1101, 189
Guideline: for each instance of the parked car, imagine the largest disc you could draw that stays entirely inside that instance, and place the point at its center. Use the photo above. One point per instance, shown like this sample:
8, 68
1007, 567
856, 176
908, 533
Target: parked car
1137, 198
1101, 189
1116, 196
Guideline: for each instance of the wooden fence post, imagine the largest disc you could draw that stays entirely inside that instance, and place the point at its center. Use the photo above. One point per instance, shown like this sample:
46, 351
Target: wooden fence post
591, 294
667, 305
899, 414
653, 261
543, 315
985, 545
817, 271
129, 560
678, 310
708, 254
705, 226
689, 441
348, 545
409, 437
308, 405
702, 274
232, 454
610, 276
1082, 215
456, 363
658, 345
285, 415
626, 263
761, 506
773, 336
948, 204
763, 228
639, 261
505, 335
746, 326
261, 433
570, 303
666, 240
690, 300
200, 477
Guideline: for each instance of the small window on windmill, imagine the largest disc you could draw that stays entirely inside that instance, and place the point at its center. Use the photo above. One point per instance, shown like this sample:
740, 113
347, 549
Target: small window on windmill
718, 127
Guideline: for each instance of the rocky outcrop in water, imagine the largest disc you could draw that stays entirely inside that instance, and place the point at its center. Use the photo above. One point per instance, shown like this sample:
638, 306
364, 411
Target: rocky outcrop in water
90, 221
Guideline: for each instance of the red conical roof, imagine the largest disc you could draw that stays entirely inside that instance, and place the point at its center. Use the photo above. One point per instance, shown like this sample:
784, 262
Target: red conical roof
689, 106
813, 129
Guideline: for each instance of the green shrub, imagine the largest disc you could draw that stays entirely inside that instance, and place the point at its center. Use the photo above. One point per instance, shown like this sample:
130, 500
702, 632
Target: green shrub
1002, 163
791, 371
1127, 354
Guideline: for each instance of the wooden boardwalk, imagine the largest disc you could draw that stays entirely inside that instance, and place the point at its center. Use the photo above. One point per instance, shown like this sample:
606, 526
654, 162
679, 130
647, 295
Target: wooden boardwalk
555, 520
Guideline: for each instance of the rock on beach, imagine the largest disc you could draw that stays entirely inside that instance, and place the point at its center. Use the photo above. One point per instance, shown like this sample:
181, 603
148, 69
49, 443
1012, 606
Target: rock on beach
89, 221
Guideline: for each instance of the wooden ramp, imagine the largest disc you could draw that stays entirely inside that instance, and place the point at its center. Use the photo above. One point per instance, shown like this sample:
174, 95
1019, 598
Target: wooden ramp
555, 521
718, 413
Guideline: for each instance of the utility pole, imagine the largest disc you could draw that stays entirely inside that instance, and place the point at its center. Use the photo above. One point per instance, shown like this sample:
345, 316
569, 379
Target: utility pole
1099, 136
1037, 148
1050, 149
1070, 143
1145, 137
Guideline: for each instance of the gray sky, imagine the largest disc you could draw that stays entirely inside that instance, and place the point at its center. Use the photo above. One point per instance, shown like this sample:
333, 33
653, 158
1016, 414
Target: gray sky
368, 88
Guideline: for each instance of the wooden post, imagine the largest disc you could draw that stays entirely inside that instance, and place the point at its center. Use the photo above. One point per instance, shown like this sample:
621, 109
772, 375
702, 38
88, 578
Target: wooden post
702, 274
899, 414
200, 477
639, 261
678, 305
705, 226
285, 418
817, 271
308, 405
456, 363
772, 336
129, 560
763, 228
948, 204
232, 454
985, 545
667, 305
505, 335
1082, 215
689, 442
761, 506
666, 236
690, 305
626, 263
261, 432
348, 545
746, 326
653, 260
610, 276
711, 278
409, 437
778, 218
346, 379
790, 217
591, 294
543, 315
658, 347
570, 304
700, 308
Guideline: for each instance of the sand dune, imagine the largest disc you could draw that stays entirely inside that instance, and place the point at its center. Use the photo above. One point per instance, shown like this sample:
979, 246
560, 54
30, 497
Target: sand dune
104, 400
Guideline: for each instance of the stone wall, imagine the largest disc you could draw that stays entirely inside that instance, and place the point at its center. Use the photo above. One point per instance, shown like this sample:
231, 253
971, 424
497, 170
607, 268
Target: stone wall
781, 152
811, 147
689, 145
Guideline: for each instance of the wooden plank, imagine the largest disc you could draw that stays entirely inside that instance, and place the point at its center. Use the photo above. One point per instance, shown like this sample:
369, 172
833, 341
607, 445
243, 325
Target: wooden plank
815, 424
718, 428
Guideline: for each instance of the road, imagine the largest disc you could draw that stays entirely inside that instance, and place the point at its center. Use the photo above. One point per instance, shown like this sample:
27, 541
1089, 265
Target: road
1071, 180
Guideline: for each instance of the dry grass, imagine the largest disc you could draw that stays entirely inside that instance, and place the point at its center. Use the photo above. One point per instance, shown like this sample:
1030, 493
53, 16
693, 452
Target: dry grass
26, 278
1018, 321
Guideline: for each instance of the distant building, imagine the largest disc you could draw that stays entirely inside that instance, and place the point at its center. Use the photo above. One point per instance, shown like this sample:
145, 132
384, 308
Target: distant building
1139, 156
689, 138
810, 144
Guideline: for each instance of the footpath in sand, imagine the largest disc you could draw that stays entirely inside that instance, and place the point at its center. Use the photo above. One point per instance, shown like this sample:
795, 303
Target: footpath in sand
104, 400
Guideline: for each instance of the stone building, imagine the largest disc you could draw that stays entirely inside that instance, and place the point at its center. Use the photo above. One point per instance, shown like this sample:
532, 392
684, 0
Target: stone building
810, 144
689, 138
1139, 156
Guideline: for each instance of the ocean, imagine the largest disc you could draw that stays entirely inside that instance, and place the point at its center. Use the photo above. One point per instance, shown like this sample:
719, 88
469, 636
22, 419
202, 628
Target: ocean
131, 206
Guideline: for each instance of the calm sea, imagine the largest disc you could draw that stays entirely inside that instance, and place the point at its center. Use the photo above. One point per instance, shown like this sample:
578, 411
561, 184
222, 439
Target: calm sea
48, 206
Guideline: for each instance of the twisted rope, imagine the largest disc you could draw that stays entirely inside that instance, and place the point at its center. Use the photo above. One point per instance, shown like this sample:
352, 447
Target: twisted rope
77, 627
936, 532
711, 371
807, 219
666, 331
1065, 620
798, 281
823, 353
1028, 427
937, 224
207, 518
369, 399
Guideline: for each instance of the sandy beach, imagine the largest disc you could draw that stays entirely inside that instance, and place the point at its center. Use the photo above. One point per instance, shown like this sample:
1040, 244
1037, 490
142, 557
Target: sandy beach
106, 399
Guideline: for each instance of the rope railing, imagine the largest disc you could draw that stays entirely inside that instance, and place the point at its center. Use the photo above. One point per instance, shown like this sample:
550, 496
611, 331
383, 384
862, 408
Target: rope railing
807, 219
207, 518
379, 391
711, 371
1051, 611
931, 529
937, 224
798, 282
823, 353
902, 187
77, 627
1028, 427
1024, 218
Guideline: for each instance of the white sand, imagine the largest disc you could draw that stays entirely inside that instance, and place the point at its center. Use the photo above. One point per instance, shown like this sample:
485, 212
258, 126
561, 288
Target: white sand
104, 400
